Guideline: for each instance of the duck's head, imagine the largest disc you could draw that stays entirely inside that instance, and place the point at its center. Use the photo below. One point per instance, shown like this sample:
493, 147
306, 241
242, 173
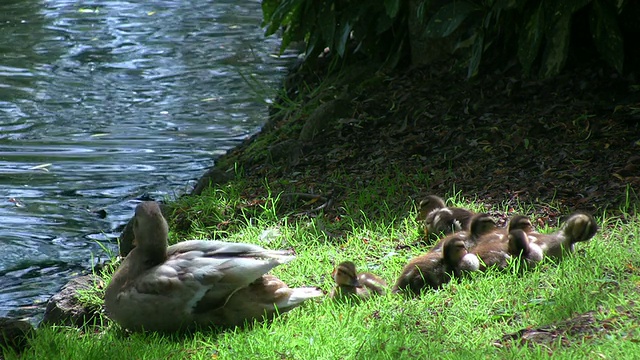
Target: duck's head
518, 242
453, 250
481, 224
520, 222
580, 227
456, 255
150, 231
345, 274
430, 203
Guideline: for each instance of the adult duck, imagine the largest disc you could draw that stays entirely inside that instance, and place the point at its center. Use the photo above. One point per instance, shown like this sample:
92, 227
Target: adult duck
196, 283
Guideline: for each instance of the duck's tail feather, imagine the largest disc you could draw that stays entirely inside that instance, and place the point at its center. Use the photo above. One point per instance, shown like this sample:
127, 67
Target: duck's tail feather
296, 296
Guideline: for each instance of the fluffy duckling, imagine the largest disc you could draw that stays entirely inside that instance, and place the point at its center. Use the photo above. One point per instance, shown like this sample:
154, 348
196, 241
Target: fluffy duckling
195, 283
520, 222
496, 246
438, 218
520, 247
578, 227
436, 268
479, 226
354, 285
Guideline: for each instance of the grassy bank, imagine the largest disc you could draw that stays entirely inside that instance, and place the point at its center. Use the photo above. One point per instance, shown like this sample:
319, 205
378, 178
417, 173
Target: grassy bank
585, 307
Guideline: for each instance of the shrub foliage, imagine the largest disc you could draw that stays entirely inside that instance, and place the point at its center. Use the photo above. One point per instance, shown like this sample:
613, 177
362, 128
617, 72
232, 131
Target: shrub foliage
537, 32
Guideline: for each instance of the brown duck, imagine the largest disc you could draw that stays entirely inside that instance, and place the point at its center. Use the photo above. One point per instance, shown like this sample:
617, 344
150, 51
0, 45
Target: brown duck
438, 218
195, 283
354, 285
436, 268
578, 227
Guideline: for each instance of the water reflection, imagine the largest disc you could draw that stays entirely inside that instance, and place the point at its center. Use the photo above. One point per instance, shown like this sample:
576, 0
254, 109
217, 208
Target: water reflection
103, 101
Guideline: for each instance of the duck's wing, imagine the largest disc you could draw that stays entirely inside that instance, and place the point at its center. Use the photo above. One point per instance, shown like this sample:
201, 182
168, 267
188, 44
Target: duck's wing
264, 298
492, 249
195, 268
447, 220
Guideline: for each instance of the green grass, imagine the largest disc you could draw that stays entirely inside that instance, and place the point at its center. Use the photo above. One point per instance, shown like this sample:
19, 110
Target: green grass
462, 321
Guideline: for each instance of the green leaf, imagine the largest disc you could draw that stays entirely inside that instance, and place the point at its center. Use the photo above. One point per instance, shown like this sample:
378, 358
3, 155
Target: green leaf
344, 31
606, 33
392, 7
383, 24
530, 38
268, 7
282, 12
476, 54
448, 18
554, 10
507, 4
327, 21
557, 48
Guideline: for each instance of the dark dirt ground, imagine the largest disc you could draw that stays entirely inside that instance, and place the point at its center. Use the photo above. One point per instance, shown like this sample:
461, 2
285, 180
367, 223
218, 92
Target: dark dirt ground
563, 144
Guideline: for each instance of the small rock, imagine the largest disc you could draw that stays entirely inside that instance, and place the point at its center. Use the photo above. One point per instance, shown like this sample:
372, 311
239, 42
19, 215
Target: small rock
64, 308
324, 117
214, 176
14, 334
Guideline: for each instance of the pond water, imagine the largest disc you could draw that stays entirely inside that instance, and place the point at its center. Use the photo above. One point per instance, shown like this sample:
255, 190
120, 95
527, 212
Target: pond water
102, 102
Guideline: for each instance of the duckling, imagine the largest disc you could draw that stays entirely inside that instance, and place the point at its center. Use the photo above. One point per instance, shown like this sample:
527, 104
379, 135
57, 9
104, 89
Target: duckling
495, 247
480, 225
438, 218
196, 283
578, 227
436, 268
520, 222
351, 284
520, 247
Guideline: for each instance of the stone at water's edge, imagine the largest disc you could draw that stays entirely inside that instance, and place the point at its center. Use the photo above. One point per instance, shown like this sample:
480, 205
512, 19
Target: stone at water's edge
214, 176
14, 334
64, 308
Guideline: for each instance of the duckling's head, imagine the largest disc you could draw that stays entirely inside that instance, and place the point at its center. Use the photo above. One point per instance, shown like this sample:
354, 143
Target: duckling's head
453, 250
520, 222
150, 232
430, 203
518, 242
580, 227
481, 224
456, 255
345, 274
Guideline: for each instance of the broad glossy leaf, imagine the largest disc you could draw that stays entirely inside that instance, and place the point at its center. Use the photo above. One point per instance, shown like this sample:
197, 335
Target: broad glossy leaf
530, 38
556, 9
476, 54
268, 7
557, 48
383, 24
392, 7
283, 11
507, 4
448, 18
606, 33
327, 21
343, 37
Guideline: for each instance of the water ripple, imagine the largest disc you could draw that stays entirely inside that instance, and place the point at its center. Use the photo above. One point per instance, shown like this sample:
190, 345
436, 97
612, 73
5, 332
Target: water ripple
102, 102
